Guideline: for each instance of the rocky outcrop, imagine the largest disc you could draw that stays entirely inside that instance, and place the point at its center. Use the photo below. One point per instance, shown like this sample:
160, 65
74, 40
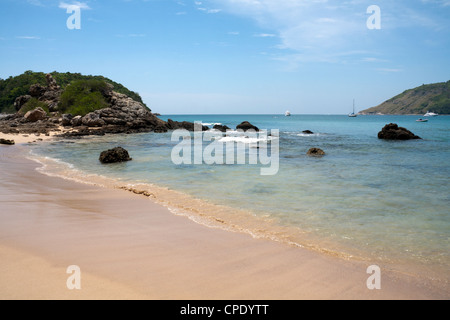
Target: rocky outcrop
308, 132
35, 115
122, 115
115, 155
36, 90
7, 142
315, 152
50, 95
245, 126
393, 132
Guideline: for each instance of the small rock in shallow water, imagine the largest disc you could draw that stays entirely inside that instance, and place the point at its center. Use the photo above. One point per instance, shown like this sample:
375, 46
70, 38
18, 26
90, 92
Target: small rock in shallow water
115, 155
7, 142
316, 152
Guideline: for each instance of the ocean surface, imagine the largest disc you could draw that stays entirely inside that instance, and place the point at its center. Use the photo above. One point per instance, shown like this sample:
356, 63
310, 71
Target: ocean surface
385, 202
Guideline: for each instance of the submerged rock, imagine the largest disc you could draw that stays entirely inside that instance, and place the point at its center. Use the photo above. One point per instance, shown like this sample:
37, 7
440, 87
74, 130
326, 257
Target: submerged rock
307, 132
315, 152
115, 155
247, 126
393, 132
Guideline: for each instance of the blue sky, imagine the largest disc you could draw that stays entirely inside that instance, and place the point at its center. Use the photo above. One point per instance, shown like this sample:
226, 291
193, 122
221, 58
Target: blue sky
236, 56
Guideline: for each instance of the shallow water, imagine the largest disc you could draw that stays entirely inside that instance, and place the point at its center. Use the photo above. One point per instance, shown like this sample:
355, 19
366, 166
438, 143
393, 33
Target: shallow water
382, 201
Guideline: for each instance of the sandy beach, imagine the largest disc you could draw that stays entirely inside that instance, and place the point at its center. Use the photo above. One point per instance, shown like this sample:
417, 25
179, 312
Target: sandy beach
128, 247
31, 138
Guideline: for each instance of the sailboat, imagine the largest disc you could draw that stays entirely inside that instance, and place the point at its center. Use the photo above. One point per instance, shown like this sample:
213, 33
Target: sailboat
353, 114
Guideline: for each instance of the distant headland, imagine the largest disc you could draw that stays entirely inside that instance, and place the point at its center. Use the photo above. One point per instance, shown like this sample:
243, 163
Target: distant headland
431, 97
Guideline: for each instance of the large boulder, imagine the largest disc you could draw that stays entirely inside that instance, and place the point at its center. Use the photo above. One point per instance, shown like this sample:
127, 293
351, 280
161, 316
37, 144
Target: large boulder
115, 155
77, 121
393, 132
51, 83
92, 120
35, 115
245, 126
221, 128
20, 101
316, 152
36, 90
66, 120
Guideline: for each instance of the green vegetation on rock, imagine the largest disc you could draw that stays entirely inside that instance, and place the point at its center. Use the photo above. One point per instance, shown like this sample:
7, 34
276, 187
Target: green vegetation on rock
432, 97
14, 87
83, 96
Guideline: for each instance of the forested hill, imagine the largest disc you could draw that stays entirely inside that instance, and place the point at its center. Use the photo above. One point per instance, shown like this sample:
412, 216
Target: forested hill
432, 97
14, 87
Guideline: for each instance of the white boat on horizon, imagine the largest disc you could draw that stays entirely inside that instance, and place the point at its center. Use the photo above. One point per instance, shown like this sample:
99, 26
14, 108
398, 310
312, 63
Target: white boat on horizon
287, 113
430, 114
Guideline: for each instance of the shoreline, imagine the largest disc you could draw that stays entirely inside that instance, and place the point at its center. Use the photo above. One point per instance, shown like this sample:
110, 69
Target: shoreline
142, 249
233, 219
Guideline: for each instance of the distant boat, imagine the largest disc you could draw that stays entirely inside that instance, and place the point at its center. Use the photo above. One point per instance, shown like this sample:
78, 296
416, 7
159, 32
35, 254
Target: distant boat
422, 120
353, 114
430, 114
288, 113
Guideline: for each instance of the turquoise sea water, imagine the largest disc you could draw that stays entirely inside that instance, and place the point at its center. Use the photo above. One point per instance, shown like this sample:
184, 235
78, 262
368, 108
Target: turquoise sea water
385, 201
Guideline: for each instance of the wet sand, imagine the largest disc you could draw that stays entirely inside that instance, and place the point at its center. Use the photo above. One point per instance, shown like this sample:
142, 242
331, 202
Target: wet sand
129, 247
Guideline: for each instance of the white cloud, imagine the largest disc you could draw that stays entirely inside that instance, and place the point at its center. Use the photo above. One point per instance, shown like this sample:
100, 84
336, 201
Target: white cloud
35, 3
28, 37
81, 5
131, 35
205, 9
213, 10
265, 35
443, 3
372, 59
312, 29
389, 70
